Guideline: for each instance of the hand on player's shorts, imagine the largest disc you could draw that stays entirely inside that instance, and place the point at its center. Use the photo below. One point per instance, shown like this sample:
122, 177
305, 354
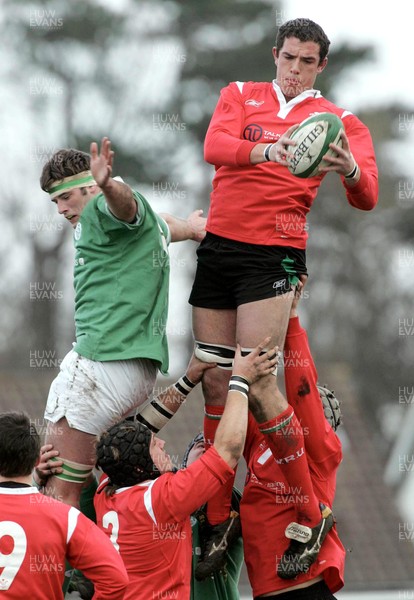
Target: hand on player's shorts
197, 223
46, 466
298, 294
196, 369
256, 365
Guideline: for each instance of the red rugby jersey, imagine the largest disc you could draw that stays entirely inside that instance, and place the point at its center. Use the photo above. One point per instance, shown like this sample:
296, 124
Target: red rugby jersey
265, 203
149, 524
267, 502
37, 533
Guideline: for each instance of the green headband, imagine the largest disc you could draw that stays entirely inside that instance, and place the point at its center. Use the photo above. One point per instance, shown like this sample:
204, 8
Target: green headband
71, 183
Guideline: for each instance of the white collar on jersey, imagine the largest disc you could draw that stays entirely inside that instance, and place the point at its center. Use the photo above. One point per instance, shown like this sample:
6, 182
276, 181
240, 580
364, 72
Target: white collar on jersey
146, 483
286, 107
20, 491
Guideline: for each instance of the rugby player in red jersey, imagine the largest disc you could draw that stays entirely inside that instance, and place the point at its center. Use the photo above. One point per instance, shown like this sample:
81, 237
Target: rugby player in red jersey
253, 255
285, 559
38, 533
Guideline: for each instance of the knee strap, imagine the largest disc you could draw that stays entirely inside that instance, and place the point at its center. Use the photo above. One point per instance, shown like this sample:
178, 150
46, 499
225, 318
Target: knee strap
215, 353
223, 355
72, 471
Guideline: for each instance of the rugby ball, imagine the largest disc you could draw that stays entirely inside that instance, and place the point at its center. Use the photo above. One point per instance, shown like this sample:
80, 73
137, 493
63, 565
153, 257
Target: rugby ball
312, 138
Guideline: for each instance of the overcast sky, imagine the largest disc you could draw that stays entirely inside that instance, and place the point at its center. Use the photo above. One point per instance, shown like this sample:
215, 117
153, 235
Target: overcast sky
388, 26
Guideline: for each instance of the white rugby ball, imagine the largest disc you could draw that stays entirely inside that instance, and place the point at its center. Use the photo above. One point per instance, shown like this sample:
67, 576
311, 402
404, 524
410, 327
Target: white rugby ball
312, 138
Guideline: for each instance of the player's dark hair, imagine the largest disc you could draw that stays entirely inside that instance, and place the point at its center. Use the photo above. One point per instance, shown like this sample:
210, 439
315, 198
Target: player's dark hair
19, 445
304, 30
64, 163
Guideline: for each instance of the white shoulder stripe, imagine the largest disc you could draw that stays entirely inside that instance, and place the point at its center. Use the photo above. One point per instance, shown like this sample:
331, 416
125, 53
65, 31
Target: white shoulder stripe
240, 85
148, 502
103, 483
346, 113
72, 522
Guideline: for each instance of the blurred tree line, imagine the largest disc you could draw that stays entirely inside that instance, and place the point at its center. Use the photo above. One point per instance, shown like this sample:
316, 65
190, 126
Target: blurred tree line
148, 74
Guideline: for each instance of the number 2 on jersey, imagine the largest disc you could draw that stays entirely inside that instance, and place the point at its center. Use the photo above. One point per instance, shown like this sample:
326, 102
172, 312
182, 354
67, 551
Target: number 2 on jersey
111, 518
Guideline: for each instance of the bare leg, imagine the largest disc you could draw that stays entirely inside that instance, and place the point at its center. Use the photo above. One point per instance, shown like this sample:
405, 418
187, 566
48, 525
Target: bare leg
215, 327
255, 321
73, 445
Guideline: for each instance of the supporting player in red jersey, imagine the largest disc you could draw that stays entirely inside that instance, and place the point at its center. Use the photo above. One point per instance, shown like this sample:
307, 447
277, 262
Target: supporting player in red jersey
268, 503
37, 533
144, 507
254, 253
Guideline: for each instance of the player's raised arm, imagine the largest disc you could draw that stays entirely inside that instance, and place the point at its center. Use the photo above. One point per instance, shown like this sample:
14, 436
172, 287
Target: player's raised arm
161, 409
118, 195
318, 412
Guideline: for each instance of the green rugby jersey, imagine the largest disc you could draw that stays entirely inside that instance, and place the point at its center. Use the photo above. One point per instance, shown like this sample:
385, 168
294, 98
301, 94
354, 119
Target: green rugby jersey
121, 278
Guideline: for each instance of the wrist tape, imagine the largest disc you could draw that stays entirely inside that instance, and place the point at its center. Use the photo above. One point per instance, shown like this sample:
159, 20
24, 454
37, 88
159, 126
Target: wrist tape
184, 385
239, 384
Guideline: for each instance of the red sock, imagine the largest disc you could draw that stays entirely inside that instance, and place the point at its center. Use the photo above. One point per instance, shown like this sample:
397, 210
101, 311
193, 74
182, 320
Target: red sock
218, 507
285, 439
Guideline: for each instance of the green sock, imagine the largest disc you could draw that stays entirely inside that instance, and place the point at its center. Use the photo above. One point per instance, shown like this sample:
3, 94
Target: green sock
86, 500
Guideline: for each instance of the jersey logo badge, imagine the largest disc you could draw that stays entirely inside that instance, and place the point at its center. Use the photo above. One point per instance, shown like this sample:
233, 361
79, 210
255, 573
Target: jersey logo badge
279, 284
252, 132
256, 103
264, 457
78, 231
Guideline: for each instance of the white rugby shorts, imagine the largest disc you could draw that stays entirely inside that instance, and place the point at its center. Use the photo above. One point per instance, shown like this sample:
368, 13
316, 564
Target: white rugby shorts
93, 395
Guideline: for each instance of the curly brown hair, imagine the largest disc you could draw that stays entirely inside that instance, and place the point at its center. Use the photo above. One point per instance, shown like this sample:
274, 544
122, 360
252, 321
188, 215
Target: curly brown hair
64, 163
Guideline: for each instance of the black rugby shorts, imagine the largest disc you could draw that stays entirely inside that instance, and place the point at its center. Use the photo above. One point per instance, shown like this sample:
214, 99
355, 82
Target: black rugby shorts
317, 591
230, 273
